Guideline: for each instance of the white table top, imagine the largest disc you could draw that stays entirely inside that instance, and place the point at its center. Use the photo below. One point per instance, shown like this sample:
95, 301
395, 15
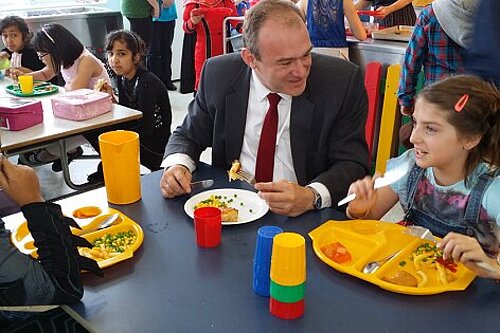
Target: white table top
54, 128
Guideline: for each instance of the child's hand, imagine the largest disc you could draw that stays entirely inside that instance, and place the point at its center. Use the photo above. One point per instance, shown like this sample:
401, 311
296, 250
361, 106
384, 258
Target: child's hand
366, 196
196, 16
468, 251
19, 182
383, 11
4, 55
167, 3
14, 73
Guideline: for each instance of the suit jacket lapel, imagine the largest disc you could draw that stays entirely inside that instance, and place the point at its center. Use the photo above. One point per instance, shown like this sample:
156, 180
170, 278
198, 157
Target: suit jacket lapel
300, 129
236, 114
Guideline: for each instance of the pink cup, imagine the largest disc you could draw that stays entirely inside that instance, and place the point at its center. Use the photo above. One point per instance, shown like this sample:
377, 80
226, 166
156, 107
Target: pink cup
208, 226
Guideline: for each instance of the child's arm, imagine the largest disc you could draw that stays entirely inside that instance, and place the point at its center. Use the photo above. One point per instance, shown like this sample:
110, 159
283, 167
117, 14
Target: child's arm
86, 68
386, 10
190, 20
370, 204
361, 4
45, 74
467, 250
412, 64
354, 22
156, 7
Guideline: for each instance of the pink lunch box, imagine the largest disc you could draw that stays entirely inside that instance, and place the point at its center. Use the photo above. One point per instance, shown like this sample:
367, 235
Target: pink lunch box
19, 113
81, 104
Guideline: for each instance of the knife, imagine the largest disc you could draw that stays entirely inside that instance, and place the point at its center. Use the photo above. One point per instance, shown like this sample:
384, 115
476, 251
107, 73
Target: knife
389, 177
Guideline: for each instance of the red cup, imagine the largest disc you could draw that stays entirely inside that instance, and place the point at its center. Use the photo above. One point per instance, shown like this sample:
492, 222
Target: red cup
286, 310
208, 226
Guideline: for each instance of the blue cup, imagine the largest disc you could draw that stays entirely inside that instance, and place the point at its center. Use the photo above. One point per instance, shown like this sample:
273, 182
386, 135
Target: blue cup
262, 259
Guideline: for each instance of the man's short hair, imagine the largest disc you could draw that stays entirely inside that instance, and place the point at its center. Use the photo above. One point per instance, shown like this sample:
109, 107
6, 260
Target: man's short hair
283, 11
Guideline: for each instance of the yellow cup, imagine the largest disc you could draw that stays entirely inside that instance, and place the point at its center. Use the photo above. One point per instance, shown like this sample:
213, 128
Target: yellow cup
120, 163
288, 259
26, 84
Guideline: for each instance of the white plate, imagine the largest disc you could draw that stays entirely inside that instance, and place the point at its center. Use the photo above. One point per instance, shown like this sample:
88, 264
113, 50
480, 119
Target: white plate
250, 207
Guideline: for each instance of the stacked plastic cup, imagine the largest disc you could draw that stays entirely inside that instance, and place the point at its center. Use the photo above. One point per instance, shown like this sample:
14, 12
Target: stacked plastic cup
288, 276
262, 260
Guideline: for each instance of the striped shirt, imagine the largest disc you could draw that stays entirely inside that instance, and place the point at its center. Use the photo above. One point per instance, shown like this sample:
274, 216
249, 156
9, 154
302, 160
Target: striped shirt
430, 48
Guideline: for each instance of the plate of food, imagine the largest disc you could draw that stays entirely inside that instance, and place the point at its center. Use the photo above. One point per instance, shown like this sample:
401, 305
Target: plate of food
40, 88
238, 206
417, 268
111, 245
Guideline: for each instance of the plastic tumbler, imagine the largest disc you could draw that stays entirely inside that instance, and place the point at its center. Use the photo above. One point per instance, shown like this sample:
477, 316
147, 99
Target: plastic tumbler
121, 166
288, 261
208, 226
26, 84
262, 259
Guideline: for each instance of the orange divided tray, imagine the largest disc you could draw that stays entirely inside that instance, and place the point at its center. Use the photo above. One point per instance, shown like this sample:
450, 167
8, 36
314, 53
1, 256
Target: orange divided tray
367, 241
23, 240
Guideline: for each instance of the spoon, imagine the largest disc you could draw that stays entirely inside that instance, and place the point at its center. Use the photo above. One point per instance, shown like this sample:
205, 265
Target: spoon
373, 266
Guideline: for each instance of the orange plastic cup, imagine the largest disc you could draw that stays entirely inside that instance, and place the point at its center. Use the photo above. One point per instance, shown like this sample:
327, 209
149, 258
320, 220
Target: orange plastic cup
288, 259
121, 166
26, 84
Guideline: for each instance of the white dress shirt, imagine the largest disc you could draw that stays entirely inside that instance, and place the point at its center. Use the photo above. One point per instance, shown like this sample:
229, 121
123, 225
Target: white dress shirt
258, 105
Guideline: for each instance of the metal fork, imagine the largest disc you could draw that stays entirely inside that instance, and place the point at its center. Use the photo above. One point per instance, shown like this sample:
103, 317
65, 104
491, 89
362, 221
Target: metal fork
245, 176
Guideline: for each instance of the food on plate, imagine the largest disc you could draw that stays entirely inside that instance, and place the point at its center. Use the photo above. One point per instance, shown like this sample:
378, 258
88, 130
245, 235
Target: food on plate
109, 245
401, 277
86, 212
235, 167
337, 252
101, 85
426, 258
229, 214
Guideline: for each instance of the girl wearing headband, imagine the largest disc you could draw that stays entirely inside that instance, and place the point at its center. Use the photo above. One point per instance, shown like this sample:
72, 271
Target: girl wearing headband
453, 184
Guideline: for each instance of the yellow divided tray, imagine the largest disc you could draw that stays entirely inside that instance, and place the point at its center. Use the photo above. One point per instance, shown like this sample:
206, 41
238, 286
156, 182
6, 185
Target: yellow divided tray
368, 241
23, 240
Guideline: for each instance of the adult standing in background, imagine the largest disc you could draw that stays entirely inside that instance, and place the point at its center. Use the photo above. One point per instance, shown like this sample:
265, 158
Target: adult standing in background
138, 13
317, 106
325, 23
392, 12
159, 58
483, 56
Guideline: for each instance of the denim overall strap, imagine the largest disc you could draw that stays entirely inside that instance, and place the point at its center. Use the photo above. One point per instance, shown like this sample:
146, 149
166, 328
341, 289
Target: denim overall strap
484, 231
418, 217
414, 177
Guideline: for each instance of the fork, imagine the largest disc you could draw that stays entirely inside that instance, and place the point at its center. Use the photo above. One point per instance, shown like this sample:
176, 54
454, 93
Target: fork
245, 176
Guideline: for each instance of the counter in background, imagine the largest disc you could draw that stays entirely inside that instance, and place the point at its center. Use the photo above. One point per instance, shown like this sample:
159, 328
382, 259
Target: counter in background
383, 51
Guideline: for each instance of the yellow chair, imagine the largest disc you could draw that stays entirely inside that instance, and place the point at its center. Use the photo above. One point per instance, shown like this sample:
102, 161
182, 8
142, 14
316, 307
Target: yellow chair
388, 131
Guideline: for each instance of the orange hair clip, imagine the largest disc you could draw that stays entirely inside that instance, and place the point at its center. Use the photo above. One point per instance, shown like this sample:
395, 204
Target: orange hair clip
461, 103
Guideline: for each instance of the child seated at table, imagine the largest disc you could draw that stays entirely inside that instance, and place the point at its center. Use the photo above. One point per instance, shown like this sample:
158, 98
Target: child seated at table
452, 186
62, 52
138, 89
53, 278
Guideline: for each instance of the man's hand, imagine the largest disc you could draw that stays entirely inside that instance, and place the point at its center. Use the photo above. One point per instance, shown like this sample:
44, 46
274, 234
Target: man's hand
19, 182
175, 181
286, 198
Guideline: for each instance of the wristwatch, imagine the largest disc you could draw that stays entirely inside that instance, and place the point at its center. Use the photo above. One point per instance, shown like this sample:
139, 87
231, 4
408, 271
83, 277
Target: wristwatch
317, 203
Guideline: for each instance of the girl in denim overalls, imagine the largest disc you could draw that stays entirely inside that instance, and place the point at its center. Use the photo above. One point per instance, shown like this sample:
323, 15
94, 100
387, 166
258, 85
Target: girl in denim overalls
453, 184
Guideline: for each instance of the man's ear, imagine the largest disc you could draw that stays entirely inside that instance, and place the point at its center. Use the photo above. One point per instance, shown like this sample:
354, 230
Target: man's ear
247, 57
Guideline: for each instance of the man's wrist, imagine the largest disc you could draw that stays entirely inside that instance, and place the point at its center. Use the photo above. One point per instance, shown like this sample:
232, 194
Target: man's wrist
356, 216
316, 202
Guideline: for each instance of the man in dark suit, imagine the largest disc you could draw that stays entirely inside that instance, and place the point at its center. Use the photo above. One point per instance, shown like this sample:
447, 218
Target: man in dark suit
320, 146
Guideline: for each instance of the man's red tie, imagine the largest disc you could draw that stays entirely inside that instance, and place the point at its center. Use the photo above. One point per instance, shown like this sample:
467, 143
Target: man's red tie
265, 155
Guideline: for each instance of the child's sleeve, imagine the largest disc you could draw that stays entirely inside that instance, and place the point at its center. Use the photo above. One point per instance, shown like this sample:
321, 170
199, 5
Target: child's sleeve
490, 200
413, 61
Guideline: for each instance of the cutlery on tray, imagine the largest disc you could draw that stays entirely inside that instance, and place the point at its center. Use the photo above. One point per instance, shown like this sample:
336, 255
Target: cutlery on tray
389, 177
202, 184
107, 222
